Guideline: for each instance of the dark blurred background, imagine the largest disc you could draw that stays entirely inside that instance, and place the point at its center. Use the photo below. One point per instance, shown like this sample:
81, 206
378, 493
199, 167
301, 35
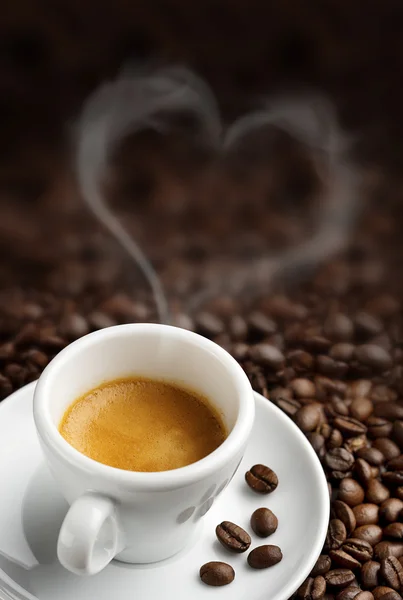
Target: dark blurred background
62, 275
52, 54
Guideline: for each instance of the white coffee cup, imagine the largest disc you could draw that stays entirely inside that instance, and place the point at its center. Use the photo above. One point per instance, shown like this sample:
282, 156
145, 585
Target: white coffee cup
138, 517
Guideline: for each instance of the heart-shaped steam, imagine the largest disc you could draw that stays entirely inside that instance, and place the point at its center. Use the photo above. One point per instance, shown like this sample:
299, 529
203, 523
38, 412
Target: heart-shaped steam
146, 99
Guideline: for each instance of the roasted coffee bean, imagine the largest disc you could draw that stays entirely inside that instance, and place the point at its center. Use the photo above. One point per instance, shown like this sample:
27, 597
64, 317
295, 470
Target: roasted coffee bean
316, 344
361, 388
351, 492
399, 492
335, 439
342, 511
317, 442
348, 593
378, 427
233, 537
373, 356
331, 368
322, 565
370, 575
365, 595
308, 417
344, 560
312, 588
217, 574
209, 324
303, 388
101, 320
339, 475
349, 427
267, 356
393, 595
392, 572
395, 464
366, 514
376, 492
388, 448
397, 433
261, 479
7, 351
361, 409
73, 325
339, 577
367, 325
394, 531
338, 327
373, 456
288, 405
301, 361
339, 459
336, 534
264, 522
342, 351
363, 471
389, 410
391, 510
353, 444
358, 549
237, 327
384, 592
393, 478
385, 549
370, 533
261, 325
263, 557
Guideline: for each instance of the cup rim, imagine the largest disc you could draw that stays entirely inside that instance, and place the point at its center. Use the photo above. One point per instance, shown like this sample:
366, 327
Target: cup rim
52, 438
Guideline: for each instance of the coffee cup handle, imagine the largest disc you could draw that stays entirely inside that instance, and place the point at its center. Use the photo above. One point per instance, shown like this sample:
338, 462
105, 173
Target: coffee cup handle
90, 536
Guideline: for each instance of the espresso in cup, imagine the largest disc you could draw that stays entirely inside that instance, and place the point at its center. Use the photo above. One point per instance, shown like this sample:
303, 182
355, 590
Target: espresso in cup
141, 424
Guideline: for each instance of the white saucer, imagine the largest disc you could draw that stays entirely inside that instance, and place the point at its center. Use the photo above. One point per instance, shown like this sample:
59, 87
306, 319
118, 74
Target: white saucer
31, 512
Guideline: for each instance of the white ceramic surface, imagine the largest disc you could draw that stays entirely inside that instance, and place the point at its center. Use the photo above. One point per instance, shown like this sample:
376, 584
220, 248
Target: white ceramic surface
32, 510
123, 513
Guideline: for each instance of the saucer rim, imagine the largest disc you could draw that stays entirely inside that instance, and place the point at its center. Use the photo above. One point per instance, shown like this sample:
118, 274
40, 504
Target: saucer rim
320, 481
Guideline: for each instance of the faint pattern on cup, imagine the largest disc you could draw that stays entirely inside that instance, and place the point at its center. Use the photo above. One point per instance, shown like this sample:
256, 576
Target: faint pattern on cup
185, 515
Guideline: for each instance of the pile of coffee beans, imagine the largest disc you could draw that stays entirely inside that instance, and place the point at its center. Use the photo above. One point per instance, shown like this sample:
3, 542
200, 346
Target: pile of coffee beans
326, 346
232, 537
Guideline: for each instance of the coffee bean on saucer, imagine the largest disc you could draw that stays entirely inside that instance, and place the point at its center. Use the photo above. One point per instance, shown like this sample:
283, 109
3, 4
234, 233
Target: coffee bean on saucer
233, 537
261, 479
217, 573
263, 557
264, 522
